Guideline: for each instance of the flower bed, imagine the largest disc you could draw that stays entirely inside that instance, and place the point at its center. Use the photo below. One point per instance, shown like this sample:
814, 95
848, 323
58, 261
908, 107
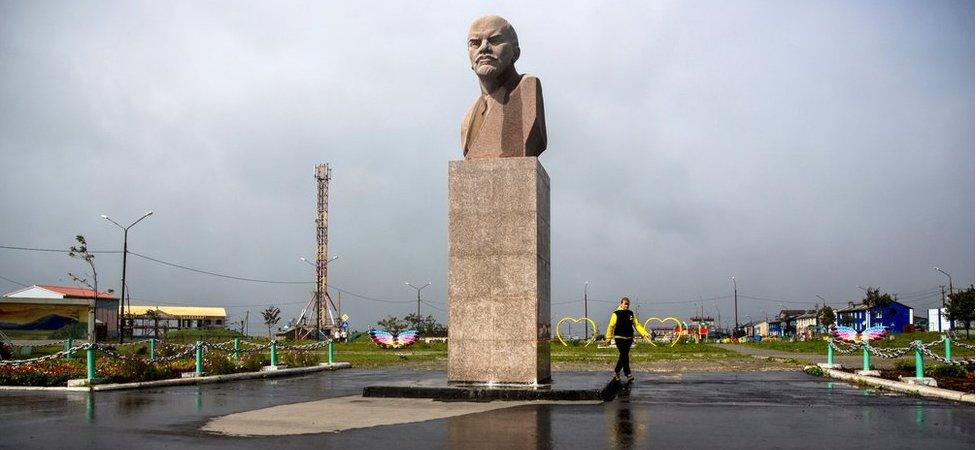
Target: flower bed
135, 369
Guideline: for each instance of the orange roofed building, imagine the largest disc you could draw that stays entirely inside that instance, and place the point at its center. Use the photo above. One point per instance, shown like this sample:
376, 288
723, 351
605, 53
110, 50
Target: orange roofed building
43, 312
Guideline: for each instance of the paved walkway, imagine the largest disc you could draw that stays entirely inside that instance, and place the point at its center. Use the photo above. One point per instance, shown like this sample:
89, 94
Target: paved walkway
850, 360
668, 410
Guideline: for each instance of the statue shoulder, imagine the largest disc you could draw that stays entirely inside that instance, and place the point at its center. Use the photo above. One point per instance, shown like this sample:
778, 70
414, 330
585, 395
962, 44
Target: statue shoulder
530, 81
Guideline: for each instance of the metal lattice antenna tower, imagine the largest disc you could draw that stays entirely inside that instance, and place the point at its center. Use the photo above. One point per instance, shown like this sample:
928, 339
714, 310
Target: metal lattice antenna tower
323, 173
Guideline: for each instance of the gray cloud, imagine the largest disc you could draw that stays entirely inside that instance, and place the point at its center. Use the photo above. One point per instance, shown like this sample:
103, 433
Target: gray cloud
805, 147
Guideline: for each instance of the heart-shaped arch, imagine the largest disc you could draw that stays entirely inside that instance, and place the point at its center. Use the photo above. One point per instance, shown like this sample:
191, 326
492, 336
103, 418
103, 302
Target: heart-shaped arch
576, 320
664, 320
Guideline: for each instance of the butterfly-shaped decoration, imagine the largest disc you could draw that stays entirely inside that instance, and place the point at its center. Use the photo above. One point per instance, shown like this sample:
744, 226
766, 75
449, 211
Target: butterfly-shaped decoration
850, 334
402, 339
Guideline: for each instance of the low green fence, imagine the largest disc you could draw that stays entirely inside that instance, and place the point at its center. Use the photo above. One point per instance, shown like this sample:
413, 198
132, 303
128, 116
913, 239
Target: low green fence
232, 349
918, 348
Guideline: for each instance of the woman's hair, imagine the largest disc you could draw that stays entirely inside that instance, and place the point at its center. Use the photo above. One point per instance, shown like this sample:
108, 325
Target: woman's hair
625, 299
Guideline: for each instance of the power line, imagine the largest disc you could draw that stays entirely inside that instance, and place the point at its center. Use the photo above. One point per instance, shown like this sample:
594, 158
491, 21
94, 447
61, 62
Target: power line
54, 250
12, 281
206, 272
776, 300
256, 280
433, 306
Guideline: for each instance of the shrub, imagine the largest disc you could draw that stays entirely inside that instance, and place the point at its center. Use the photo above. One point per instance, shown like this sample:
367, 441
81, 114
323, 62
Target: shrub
252, 362
181, 365
51, 373
298, 359
904, 364
124, 370
813, 370
218, 364
945, 370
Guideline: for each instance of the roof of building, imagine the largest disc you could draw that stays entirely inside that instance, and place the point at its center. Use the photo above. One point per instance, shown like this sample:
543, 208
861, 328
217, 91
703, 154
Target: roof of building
854, 307
808, 315
791, 312
62, 291
188, 312
863, 307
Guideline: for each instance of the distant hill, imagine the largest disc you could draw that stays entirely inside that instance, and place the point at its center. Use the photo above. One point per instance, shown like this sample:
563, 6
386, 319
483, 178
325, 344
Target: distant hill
48, 322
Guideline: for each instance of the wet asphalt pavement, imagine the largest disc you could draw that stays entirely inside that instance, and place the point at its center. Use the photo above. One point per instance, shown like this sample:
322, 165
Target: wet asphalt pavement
705, 410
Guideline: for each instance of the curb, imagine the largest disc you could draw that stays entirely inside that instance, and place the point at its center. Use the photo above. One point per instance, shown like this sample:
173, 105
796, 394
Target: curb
187, 381
897, 386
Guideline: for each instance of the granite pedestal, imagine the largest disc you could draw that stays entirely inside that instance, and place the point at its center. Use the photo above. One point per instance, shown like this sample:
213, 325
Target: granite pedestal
498, 274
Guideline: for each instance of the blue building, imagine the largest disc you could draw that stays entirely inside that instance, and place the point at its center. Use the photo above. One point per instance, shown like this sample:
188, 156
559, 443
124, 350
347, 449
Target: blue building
896, 316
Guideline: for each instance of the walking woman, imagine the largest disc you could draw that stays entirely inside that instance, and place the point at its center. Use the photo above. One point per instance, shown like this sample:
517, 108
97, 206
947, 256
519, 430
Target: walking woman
623, 322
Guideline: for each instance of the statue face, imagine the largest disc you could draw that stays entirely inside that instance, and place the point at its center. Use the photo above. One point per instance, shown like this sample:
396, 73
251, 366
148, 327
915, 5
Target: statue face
492, 46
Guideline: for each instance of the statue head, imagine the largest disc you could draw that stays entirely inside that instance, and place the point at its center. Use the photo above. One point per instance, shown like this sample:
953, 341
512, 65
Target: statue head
492, 46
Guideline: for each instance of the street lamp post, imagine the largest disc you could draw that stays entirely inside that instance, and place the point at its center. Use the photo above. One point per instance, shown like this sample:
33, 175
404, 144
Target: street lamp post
318, 298
586, 288
125, 252
946, 274
405, 283
943, 296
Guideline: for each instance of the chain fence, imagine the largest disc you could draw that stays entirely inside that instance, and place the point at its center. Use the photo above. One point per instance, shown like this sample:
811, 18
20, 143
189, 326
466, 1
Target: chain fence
844, 347
179, 351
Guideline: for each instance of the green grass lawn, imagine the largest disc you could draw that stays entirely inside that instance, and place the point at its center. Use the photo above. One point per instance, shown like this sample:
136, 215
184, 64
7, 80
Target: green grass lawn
897, 340
364, 353
642, 352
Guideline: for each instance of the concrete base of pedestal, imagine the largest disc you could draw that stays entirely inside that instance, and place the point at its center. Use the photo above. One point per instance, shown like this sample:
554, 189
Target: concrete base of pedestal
924, 381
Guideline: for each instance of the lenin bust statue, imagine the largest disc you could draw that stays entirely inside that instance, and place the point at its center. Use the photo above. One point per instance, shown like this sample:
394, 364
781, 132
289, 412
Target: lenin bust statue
507, 119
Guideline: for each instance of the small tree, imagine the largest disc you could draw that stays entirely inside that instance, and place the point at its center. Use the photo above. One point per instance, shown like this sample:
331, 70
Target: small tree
826, 316
960, 307
81, 252
874, 298
271, 317
427, 326
392, 324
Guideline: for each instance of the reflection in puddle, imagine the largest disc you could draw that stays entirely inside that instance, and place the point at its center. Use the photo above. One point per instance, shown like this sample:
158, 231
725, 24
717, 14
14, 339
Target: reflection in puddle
626, 427
90, 407
520, 427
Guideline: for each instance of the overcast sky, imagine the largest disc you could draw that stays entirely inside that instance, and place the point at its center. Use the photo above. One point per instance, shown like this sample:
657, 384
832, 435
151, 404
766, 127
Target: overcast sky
805, 147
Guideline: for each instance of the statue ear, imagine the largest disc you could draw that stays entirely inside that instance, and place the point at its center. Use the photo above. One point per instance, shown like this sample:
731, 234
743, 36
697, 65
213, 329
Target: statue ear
518, 51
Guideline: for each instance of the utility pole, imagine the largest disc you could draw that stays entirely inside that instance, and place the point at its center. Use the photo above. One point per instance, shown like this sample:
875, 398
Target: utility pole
817, 313
946, 274
735, 296
247, 316
586, 288
405, 283
941, 311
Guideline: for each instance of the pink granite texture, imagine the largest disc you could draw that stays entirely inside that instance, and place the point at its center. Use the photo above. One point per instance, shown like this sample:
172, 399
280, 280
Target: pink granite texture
498, 280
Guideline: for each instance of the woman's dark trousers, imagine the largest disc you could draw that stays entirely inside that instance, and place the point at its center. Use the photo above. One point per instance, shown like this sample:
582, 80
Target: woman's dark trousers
623, 361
